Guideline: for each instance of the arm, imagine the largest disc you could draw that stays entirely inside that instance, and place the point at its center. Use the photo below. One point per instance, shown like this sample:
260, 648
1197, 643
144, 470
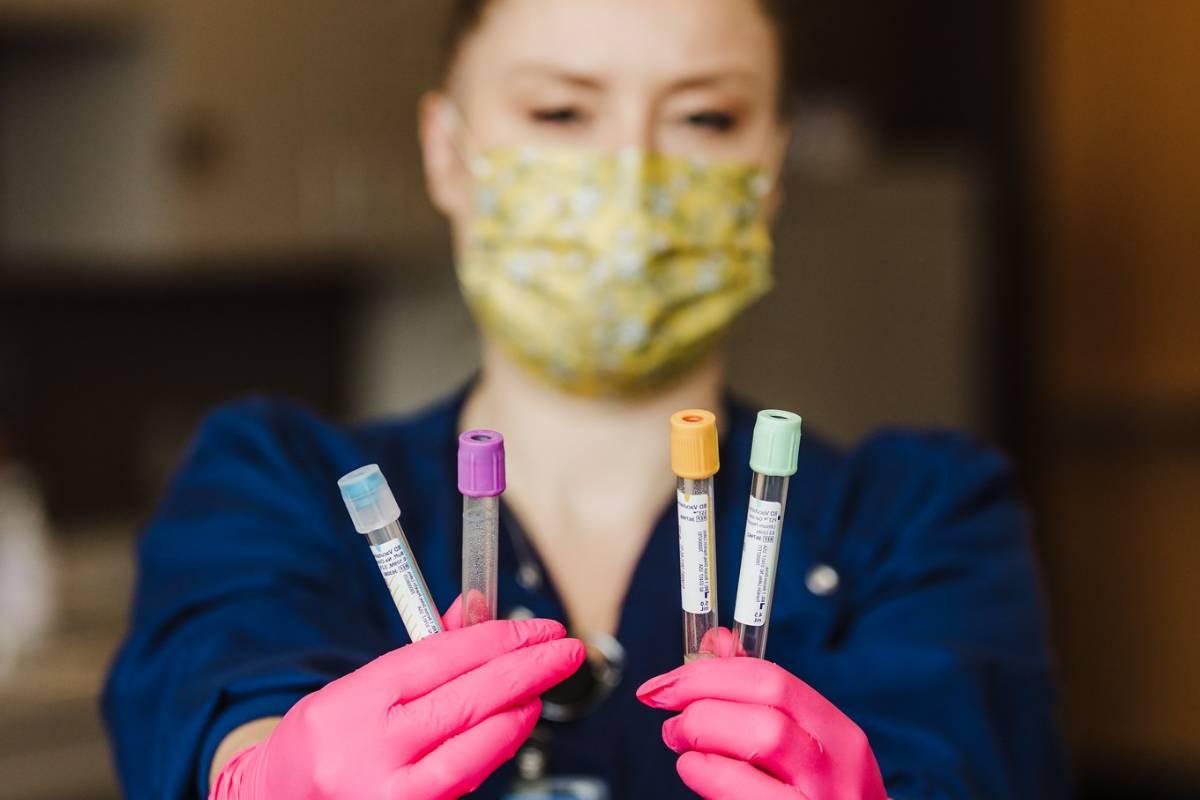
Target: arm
429, 721
254, 602
240, 739
935, 650
258, 731
945, 630
246, 598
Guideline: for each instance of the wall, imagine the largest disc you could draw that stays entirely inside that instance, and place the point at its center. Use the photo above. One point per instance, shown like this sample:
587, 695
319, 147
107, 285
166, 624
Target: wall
875, 319
1117, 305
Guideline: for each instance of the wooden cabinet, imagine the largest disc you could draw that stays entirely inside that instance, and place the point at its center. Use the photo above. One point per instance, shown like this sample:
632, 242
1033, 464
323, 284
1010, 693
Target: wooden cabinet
219, 128
1121, 542
1118, 371
67, 15
1122, 190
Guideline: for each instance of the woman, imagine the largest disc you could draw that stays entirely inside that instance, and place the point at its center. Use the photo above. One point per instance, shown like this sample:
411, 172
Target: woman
608, 169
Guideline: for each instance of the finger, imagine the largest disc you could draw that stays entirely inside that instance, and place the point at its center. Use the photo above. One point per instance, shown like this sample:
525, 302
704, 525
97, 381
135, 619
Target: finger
452, 620
509, 680
721, 643
462, 763
719, 778
760, 735
416, 669
739, 680
475, 608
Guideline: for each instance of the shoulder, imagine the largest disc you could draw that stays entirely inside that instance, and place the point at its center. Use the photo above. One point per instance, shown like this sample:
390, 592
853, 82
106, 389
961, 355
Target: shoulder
908, 468
263, 422
905, 497
263, 427
262, 440
927, 523
931, 453
896, 474
908, 506
894, 483
920, 478
260, 435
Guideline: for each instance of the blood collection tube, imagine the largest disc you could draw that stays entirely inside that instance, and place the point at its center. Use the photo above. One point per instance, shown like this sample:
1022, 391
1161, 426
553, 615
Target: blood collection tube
481, 482
695, 460
375, 514
773, 457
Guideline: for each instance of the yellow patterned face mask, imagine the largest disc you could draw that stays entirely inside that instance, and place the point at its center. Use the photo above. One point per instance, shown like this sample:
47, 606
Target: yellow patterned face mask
612, 274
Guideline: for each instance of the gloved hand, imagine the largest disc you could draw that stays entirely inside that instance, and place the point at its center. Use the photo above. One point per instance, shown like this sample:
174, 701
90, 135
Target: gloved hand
720, 642
749, 728
428, 721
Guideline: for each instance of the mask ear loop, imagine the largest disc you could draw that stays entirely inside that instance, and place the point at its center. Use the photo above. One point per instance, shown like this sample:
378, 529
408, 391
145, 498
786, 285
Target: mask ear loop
769, 180
460, 134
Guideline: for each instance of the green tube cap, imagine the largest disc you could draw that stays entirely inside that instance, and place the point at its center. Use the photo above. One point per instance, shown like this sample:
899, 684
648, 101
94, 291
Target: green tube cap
776, 443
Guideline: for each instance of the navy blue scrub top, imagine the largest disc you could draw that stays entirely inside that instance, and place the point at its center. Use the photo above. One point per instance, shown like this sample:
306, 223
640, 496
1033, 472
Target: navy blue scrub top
906, 594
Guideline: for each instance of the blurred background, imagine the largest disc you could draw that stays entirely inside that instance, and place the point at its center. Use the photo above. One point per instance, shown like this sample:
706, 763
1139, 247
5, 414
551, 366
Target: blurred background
994, 223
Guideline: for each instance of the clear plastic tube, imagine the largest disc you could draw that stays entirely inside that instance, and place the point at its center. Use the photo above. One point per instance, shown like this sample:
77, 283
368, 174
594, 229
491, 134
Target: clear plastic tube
480, 556
760, 560
695, 459
481, 480
404, 581
697, 565
376, 515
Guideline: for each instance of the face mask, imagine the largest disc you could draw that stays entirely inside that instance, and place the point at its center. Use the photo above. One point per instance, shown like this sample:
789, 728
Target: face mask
612, 274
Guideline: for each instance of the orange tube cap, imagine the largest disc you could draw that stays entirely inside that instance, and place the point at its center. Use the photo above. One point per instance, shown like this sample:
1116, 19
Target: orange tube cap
694, 453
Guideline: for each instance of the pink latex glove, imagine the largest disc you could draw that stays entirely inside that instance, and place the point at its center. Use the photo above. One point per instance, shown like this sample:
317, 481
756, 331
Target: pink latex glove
720, 642
750, 728
428, 721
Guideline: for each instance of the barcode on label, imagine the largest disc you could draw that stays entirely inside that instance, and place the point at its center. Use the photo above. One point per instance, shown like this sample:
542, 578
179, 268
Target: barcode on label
695, 552
756, 580
420, 619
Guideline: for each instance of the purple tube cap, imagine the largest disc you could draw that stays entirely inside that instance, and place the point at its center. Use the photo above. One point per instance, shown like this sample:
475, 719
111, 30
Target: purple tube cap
481, 463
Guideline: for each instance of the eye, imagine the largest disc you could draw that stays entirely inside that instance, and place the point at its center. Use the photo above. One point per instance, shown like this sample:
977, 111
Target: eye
556, 116
715, 121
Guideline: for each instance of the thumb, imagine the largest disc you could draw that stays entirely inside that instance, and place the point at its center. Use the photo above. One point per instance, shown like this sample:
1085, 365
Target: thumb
452, 620
721, 642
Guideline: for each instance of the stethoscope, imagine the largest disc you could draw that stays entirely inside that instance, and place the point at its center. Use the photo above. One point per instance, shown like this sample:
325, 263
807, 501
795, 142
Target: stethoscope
605, 662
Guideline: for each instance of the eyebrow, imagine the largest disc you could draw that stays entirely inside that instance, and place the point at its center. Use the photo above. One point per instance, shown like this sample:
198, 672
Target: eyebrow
557, 74
714, 77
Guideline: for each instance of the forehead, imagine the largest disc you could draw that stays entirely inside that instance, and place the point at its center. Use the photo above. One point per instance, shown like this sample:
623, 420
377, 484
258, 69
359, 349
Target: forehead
662, 39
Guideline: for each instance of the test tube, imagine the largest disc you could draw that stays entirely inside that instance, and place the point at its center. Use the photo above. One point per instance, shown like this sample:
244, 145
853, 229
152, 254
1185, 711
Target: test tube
773, 457
694, 460
375, 514
481, 482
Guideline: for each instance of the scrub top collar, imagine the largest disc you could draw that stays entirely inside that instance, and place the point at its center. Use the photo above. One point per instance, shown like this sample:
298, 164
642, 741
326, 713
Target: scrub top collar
527, 586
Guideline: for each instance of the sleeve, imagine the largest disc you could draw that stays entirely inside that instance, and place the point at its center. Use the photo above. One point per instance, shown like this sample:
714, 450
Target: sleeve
940, 652
246, 600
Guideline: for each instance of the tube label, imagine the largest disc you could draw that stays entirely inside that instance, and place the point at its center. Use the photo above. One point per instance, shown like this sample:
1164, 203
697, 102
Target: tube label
760, 552
695, 552
415, 607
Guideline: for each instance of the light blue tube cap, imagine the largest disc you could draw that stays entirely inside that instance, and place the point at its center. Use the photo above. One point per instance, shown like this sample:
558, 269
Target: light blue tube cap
369, 499
776, 445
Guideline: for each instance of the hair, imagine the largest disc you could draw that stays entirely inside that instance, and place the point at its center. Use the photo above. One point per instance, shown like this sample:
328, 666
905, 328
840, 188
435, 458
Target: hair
467, 15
